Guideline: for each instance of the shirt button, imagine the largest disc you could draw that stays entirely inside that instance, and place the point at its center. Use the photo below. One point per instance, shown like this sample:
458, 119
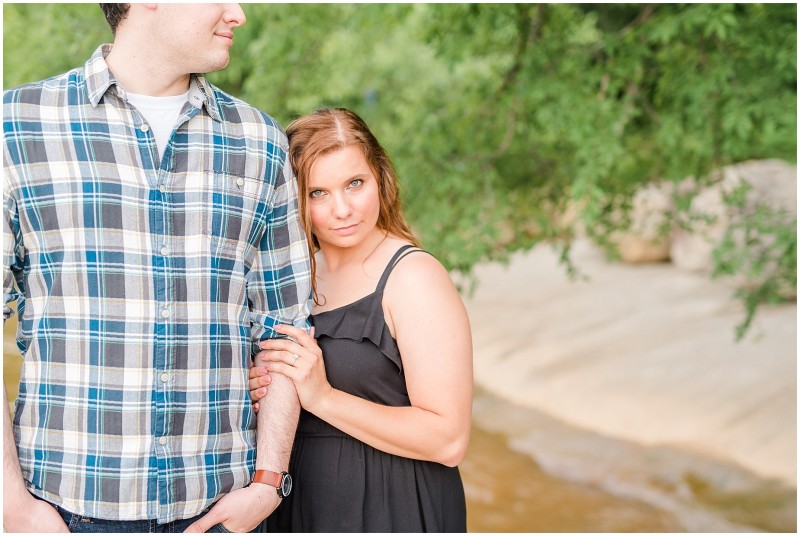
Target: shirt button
162, 188
164, 250
145, 127
240, 182
164, 313
164, 377
162, 440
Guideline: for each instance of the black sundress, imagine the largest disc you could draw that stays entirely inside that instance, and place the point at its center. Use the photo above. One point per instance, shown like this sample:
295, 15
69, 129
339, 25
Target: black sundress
342, 484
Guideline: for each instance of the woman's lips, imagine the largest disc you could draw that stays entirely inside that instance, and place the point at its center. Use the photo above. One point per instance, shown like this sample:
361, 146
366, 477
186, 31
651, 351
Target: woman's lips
350, 229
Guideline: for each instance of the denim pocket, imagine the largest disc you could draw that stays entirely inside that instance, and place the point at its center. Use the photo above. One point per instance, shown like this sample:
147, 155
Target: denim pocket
219, 528
79, 523
70, 520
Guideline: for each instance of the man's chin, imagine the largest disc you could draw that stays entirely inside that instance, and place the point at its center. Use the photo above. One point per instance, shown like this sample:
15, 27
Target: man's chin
217, 65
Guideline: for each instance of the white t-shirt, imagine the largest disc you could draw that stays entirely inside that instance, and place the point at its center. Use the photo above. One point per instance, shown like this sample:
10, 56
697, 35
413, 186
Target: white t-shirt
161, 113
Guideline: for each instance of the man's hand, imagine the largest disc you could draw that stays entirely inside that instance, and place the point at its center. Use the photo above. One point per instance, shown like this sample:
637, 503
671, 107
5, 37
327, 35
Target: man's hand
22, 512
241, 510
32, 516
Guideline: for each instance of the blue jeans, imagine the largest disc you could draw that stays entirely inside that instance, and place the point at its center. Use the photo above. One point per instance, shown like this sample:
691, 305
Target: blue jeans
79, 523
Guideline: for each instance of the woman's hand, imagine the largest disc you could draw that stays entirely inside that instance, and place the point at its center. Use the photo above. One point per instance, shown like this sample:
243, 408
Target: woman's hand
299, 361
259, 379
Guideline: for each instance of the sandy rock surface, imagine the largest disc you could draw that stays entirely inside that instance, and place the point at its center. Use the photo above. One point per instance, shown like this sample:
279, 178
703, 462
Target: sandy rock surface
641, 353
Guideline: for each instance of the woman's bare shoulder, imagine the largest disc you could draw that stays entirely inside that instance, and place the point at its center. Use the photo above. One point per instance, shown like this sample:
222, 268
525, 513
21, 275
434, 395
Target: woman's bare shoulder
419, 274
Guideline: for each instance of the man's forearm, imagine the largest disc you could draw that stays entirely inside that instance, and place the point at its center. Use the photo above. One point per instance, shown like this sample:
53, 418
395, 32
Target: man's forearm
277, 423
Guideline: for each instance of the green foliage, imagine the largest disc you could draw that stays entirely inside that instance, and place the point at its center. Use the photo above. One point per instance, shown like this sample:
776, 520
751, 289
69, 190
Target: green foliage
502, 118
42, 40
760, 246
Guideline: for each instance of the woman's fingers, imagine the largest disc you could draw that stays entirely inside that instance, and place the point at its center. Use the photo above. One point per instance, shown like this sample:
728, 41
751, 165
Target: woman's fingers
300, 335
288, 363
259, 377
289, 358
258, 394
287, 370
287, 345
278, 356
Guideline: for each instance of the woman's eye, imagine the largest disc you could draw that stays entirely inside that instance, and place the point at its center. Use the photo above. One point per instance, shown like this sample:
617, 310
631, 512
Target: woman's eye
355, 183
315, 193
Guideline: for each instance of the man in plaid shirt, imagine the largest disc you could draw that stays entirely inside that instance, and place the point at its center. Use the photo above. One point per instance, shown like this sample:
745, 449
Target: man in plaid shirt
151, 240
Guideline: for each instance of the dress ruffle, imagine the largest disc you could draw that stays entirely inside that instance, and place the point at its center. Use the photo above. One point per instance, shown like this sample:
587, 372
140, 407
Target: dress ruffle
359, 321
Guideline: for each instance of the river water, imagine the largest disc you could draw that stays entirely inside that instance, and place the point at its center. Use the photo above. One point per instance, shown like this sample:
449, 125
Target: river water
527, 472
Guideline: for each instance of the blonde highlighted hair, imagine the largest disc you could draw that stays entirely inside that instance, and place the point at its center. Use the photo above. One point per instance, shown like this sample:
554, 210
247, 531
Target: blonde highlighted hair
325, 131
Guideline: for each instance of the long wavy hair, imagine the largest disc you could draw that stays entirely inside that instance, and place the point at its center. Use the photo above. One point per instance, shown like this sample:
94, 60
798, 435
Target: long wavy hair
327, 130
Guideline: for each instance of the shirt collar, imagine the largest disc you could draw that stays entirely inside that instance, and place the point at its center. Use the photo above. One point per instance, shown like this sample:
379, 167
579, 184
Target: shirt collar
99, 80
97, 75
200, 91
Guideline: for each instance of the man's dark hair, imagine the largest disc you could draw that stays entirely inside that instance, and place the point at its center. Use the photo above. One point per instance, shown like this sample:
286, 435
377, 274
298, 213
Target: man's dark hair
115, 13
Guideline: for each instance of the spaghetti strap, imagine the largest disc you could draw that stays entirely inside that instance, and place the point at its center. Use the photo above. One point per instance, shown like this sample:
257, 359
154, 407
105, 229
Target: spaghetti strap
402, 252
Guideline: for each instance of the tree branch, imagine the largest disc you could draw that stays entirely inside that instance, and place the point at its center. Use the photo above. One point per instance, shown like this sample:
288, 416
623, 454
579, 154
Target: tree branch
533, 25
646, 13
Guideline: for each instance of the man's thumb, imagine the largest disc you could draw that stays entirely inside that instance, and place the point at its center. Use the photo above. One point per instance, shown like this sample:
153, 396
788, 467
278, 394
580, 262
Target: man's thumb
204, 523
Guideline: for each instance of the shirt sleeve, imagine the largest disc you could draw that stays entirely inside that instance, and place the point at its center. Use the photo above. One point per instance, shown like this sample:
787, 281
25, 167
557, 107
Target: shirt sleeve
13, 249
279, 282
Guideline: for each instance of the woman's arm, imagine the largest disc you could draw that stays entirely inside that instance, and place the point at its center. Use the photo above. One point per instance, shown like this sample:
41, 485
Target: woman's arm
433, 334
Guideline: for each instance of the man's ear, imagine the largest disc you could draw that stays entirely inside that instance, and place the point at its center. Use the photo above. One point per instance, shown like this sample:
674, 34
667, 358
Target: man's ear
150, 7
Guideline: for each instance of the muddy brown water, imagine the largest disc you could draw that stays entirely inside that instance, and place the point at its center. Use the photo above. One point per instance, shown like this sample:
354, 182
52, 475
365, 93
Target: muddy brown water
527, 472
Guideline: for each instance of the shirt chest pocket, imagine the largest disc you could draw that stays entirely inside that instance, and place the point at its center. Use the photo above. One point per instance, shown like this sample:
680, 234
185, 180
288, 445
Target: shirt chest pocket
233, 211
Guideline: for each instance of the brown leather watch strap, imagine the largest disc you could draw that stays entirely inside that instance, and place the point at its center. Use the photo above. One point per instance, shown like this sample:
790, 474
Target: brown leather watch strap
271, 478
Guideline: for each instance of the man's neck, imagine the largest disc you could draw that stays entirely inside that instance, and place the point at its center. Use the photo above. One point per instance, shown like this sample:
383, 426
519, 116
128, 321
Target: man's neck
139, 72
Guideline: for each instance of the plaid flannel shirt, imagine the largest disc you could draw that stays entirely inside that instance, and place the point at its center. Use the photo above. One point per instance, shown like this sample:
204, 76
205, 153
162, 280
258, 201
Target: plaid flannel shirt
143, 287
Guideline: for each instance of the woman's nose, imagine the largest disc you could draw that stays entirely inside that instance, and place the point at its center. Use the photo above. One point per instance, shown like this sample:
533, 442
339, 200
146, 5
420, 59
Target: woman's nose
342, 208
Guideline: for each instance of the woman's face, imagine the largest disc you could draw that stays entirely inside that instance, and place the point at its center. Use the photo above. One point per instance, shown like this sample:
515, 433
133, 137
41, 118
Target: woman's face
343, 198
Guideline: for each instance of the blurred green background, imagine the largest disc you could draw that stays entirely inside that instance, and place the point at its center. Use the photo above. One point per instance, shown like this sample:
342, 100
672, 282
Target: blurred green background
501, 116
515, 124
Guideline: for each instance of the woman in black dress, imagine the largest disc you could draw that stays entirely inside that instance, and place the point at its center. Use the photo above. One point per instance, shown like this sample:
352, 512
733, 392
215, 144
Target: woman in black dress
385, 378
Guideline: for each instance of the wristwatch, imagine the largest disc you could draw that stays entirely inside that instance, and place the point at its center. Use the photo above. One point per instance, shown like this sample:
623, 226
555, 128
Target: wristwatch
280, 481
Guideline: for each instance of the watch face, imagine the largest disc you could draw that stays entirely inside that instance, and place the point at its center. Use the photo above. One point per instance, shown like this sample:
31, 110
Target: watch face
286, 485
